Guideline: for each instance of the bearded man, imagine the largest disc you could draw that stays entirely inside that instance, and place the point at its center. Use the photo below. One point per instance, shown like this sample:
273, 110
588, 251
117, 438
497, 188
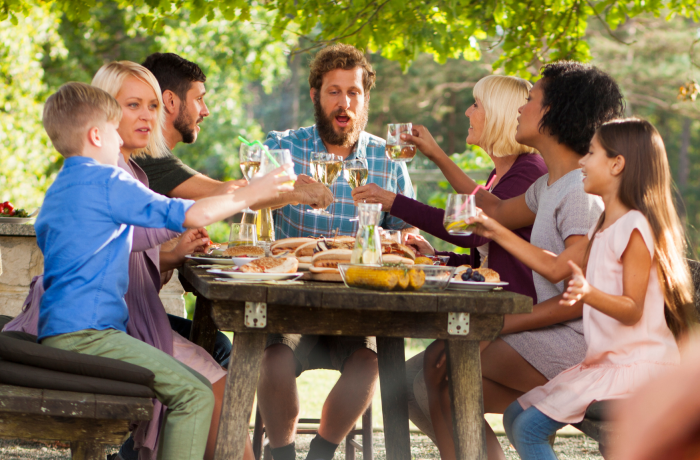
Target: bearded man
340, 81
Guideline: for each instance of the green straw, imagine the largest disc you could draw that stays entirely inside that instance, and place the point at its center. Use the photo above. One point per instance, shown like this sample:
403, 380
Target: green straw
264, 147
269, 155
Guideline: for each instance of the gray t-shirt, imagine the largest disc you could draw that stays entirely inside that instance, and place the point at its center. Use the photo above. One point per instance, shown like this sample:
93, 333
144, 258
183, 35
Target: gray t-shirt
563, 209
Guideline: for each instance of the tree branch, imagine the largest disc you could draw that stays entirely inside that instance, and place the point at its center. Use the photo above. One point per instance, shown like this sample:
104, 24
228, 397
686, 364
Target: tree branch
607, 26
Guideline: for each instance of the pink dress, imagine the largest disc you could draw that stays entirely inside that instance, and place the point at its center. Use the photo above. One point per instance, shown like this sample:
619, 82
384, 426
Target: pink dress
619, 358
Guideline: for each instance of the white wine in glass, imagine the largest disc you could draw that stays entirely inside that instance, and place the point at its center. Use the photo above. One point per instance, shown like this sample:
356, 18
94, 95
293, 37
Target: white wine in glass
326, 171
355, 172
250, 169
250, 157
325, 168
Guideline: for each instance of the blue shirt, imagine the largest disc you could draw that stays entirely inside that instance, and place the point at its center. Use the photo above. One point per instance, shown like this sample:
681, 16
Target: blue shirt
295, 221
85, 230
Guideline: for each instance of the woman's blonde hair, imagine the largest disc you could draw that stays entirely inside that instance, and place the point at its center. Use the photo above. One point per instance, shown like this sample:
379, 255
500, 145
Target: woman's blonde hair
111, 77
646, 186
502, 96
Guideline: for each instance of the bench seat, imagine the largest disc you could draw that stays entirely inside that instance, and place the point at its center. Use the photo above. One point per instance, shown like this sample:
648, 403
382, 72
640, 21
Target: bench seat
88, 421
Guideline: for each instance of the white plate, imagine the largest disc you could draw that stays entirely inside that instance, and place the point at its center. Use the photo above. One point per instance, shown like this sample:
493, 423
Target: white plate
473, 285
211, 260
15, 220
242, 260
255, 276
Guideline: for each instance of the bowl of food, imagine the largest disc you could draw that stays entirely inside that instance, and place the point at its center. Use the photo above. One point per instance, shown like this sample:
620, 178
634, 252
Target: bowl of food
396, 277
436, 277
10, 215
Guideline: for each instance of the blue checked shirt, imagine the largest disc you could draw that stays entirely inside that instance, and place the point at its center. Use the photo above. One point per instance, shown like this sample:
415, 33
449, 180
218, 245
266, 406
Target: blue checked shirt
296, 221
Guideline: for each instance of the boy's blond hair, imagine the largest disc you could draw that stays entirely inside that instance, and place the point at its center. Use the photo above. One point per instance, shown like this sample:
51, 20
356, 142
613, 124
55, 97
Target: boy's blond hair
501, 97
110, 77
71, 111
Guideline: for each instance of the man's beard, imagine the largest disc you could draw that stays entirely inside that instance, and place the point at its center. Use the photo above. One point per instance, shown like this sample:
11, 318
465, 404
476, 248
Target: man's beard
326, 130
183, 125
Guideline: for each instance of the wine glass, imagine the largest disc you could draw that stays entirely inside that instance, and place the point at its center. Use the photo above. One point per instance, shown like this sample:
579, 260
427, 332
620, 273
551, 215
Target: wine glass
395, 236
459, 208
325, 168
396, 148
250, 157
243, 235
355, 173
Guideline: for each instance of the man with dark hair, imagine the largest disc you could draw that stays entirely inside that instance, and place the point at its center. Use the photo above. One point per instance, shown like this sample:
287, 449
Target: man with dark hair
182, 84
340, 81
185, 80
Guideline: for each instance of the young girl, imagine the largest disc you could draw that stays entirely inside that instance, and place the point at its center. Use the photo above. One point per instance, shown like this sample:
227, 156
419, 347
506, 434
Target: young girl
637, 291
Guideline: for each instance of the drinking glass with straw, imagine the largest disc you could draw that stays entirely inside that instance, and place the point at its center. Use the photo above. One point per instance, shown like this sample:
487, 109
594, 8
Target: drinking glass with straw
461, 207
275, 158
250, 155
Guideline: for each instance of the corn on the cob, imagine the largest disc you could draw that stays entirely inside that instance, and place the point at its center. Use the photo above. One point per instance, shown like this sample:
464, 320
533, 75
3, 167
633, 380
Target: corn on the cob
402, 275
370, 278
423, 261
416, 278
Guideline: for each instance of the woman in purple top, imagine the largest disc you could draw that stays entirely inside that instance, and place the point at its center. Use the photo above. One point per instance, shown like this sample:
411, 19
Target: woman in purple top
493, 120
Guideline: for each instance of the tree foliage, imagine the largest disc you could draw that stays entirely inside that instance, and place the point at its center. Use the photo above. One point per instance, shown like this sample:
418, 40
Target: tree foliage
528, 33
26, 157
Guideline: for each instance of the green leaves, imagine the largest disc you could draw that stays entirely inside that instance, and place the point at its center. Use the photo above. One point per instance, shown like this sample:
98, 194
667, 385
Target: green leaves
529, 32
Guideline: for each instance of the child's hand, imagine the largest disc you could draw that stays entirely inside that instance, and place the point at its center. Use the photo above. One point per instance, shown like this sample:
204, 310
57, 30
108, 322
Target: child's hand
193, 240
420, 243
271, 184
483, 225
578, 287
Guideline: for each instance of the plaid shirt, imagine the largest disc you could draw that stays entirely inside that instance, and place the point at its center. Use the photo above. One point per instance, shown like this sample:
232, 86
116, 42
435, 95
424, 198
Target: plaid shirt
295, 221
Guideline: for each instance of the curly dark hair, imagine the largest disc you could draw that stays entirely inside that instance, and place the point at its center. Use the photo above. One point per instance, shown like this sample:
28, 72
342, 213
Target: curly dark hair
578, 98
340, 56
174, 72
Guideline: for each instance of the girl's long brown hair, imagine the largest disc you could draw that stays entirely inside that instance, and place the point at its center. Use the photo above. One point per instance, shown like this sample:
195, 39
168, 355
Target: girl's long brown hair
646, 186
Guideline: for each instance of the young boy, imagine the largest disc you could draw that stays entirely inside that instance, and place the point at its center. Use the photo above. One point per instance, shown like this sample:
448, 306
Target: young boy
85, 232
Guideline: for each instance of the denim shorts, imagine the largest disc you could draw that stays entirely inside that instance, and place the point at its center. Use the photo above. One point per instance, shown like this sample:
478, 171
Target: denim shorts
322, 351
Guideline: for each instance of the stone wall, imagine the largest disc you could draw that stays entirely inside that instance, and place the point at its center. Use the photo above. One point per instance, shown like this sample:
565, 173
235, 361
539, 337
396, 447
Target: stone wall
21, 259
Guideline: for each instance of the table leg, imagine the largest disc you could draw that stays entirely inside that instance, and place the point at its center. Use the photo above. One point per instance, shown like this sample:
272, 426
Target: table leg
241, 383
467, 399
203, 331
392, 379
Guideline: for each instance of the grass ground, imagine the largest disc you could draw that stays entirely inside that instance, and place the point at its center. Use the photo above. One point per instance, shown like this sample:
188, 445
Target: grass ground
422, 448
313, 387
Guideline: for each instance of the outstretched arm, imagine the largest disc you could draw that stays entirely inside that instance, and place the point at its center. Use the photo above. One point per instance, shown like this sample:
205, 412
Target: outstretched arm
512, 213
552, 267
213, 209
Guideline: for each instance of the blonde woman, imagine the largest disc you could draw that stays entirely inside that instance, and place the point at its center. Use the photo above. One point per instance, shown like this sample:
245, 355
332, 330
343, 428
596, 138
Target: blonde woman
493, 120
138, 93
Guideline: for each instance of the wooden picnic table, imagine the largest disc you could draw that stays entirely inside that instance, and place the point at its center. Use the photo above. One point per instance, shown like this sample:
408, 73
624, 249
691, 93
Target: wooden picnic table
252, 311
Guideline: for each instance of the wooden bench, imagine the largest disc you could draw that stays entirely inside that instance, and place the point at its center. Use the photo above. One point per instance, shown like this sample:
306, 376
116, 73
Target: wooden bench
596, 424
87, 421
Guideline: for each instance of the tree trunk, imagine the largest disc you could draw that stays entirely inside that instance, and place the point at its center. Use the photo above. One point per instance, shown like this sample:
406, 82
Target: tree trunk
683, 157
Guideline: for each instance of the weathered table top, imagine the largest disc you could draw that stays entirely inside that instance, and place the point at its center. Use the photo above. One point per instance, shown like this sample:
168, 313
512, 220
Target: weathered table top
338, 296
